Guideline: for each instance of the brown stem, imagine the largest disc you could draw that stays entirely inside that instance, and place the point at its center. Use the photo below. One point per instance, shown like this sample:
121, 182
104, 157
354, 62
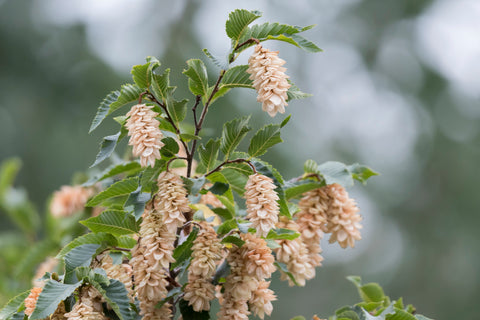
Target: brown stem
198, 126
140, 97
169, 119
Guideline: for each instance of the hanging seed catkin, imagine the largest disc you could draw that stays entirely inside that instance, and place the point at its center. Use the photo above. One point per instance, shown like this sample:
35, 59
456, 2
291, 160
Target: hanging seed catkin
269, 79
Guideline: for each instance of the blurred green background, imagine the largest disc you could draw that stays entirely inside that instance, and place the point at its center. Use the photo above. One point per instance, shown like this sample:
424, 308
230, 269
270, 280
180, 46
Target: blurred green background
397, 88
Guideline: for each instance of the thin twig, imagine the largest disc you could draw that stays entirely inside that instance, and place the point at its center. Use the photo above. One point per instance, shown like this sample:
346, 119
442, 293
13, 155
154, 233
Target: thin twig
198, 126
194, 109
173, 159
219, 167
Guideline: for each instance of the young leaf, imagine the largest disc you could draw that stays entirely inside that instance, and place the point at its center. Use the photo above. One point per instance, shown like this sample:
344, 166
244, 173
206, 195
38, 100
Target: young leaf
116, 222
305, 44
197, 77
264, 139
310, 166
238, 22
285, 121
116, 296
141, 74
161, 85
361, 173
52, 294
170, 148
184, 251
232, 177
106, 148
178, 110
336, 172
233, 133
283, 267
120, 188
209, 154
13, 305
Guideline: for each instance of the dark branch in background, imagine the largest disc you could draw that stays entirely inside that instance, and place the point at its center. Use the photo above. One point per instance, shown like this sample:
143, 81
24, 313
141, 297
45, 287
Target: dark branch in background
219, 167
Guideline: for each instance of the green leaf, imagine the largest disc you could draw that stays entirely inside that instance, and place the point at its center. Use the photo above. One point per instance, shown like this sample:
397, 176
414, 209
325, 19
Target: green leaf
142, 74
13, 305
8, 171
178, 110
197, 77
361, 173
116, 222
184, 251
165, 125
222, 62
285, 121
188, 137
116, 295
129, 168
194, 185
170, 148
295, 93
238, 22
233, 133
272, 244
400, 315
126, 242
209, 153
150, 175
106, 148
227, 226
298, 318
52, 294
282, 234
188, 313
269, 171
232, 177
305, 44
120, 188
264, 139
115, 100
161, 86
336, 172
295, 189
420, 317
103, 109
237, 77
310, 166
233, 240
372, 292
283, 267
137, 200
80, 256
89, 238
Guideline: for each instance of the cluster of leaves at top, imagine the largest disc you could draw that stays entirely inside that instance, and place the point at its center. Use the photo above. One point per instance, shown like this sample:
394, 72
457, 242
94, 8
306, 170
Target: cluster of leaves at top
375, 305
126, 187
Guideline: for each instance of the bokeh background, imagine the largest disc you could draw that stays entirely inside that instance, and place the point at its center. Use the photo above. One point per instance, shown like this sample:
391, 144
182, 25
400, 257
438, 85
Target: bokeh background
397, 88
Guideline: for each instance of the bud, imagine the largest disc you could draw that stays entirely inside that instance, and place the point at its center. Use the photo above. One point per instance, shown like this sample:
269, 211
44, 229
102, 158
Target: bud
269, 79
261, 201
145, 135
